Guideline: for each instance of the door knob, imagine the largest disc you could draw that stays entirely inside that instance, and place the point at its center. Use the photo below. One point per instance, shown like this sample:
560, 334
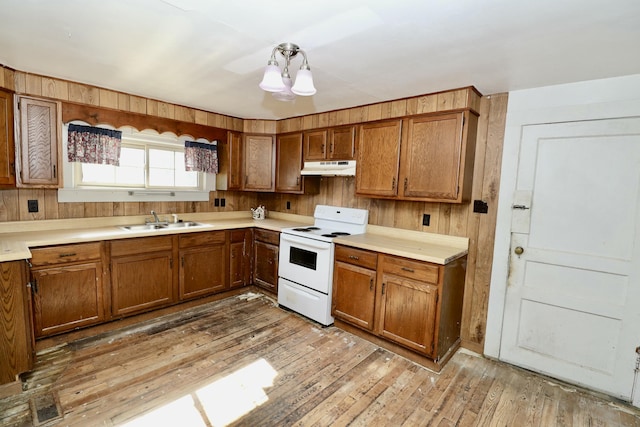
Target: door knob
518, 250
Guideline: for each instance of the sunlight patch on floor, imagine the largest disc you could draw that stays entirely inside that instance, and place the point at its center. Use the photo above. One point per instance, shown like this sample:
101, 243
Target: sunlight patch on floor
219, 403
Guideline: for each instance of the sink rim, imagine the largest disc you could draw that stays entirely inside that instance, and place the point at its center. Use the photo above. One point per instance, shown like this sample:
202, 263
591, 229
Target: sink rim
162, 226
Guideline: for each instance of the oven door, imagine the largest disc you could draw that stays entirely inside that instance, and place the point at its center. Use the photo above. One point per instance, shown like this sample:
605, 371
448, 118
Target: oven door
306, 261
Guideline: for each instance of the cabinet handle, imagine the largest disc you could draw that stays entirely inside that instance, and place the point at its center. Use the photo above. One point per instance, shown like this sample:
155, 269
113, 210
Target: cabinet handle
322, 147
405, 184
54, 171
34, 285
410, 270
393, 183
331, 149
67, 255
354, 257
383, 285
298, 180
371, 284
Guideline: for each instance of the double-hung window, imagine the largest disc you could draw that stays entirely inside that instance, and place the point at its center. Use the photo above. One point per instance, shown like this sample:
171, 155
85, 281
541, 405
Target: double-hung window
151, 168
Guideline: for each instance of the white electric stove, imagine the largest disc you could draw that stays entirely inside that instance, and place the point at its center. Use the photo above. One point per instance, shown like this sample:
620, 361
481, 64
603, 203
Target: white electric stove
305, 266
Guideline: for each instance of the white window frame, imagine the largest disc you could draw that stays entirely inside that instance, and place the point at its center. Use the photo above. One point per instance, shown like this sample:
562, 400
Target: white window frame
70, 192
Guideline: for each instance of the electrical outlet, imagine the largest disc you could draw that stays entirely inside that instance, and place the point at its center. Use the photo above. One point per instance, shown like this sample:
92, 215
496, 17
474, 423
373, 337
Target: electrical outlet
288, 204
216, 202
426, 219
32, 205
222, 202
480, 206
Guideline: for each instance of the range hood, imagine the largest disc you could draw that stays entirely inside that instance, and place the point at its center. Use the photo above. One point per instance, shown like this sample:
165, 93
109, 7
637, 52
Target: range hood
330, 168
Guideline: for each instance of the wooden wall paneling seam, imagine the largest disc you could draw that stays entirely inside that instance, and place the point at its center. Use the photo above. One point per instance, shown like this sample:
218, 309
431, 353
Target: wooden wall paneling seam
467, 333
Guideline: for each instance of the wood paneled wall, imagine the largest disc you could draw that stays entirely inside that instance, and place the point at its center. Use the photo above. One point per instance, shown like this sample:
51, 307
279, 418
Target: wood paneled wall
13, 202
458, 220
445, 218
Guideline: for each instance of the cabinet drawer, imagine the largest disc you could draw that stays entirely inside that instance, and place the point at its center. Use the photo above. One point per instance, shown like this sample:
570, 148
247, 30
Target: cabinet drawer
65, 254
202, 239
267, 236
237, 235
355, 256
410, 269
141, 245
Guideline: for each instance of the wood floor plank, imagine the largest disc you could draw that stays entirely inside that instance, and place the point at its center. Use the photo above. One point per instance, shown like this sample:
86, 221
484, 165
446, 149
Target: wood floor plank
243, 361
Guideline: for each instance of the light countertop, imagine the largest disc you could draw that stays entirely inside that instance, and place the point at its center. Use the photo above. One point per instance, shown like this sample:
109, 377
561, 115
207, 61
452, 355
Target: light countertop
17, 237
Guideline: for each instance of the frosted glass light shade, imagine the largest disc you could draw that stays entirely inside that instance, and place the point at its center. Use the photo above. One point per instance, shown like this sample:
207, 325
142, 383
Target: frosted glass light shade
304, 84
285, 94
272, 80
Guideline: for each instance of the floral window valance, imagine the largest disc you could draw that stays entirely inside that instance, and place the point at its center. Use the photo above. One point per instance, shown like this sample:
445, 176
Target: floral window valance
200, 157
87, 144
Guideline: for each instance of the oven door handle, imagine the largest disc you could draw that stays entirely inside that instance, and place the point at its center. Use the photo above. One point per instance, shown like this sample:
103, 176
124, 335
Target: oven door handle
305, 242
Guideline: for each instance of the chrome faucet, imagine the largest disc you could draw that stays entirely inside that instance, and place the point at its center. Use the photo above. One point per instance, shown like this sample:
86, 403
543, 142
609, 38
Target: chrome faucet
155, 217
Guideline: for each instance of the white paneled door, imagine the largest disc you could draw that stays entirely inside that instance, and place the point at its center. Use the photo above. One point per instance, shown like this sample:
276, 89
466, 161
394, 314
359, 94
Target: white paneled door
573, 294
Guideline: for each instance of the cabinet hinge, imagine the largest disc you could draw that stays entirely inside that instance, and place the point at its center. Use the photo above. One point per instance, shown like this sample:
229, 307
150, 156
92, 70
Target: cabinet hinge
437, 297
432, 347
33, 285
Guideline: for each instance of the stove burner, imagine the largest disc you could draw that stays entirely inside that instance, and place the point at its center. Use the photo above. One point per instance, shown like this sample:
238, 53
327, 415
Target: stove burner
329, 235
306, 229
340, 233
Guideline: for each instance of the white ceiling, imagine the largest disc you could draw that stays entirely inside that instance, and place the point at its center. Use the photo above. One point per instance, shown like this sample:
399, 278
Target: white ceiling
210, 54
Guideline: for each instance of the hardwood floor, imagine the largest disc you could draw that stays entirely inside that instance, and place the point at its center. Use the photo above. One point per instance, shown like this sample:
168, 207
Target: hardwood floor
243, 361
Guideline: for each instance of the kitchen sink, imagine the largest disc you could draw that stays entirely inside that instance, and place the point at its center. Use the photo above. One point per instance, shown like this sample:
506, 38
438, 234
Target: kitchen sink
162, 226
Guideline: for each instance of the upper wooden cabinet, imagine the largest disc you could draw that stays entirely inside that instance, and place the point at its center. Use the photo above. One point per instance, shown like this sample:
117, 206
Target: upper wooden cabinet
342, 143
7, 153
289, 163
378, 158
37, 147
423, 158
315, 145
230, 162
437, 157
259, 162
332, 144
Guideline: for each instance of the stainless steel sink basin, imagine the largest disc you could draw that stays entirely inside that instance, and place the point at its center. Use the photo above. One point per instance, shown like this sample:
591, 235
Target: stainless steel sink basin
162, 226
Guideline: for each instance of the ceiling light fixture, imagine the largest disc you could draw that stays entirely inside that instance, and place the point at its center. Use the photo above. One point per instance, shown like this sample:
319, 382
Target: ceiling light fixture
279, 82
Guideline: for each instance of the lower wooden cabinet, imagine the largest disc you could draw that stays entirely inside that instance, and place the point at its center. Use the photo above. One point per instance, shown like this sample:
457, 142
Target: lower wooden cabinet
413, 304
203, 264
16, 331
240, 250
265, 259
67, 285
354, 289
141, 274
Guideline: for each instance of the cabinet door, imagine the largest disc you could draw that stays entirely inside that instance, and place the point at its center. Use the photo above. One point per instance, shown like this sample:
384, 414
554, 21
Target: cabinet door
315, 145
7, 153
266, 266
342, 142
67, 297
38, 146
354, 294
230, 163
235, 161
259, 163
239, 258
16, 332
407, 313
432, 157
141, 282
289, 163
378, 158
203, 271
